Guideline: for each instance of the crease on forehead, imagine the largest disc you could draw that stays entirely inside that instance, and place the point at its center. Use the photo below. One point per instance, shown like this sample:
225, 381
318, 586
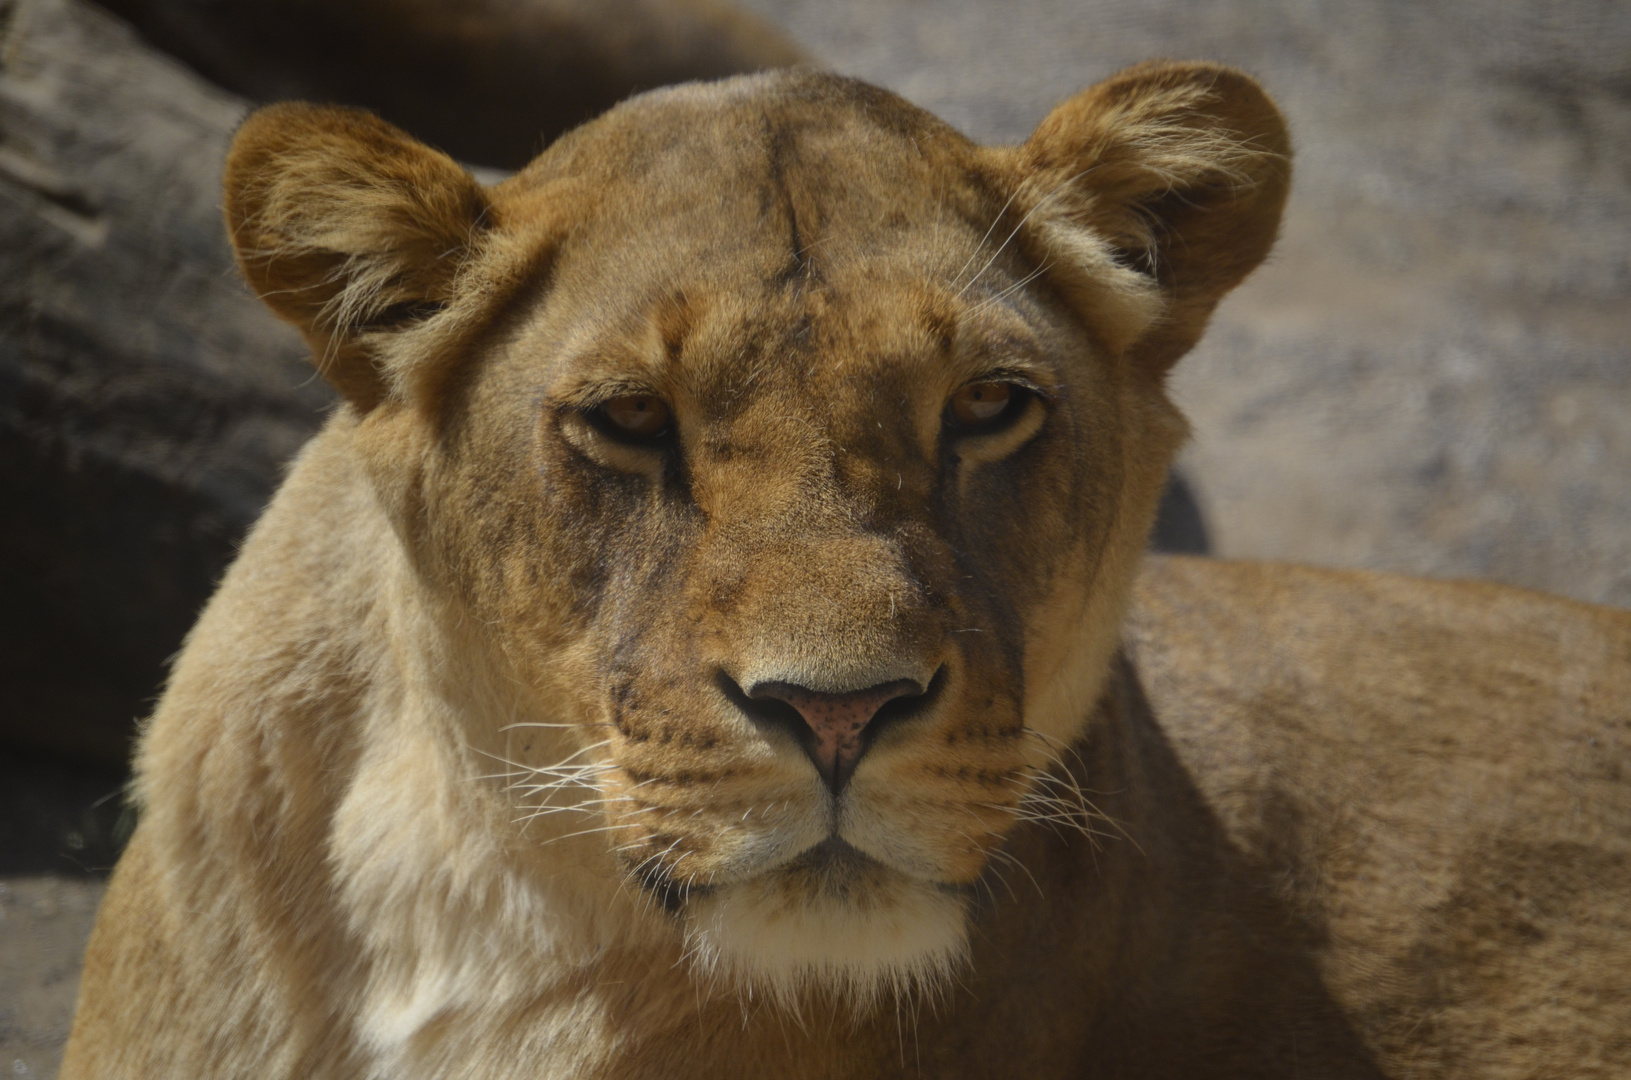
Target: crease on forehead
843, 177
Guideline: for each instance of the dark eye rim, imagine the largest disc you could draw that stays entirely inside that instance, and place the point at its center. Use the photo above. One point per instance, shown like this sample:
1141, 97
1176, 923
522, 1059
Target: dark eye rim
595, 416
1024, 393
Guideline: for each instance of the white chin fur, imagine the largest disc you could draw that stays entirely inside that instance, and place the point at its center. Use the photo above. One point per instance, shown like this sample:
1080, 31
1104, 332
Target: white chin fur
763, 940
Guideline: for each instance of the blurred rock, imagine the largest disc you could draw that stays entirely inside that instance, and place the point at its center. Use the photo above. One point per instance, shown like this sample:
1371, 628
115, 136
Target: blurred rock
488, 81
59, 816
1179, 527
147, 401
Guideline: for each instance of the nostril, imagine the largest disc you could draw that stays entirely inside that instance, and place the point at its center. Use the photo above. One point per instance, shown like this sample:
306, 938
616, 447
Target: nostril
907, 706
766, 712
834, 729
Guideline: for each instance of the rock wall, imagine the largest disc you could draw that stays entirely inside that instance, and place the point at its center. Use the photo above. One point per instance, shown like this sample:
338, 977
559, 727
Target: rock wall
147, 401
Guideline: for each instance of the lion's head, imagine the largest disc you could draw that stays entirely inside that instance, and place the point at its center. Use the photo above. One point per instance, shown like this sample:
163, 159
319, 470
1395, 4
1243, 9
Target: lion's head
773, 463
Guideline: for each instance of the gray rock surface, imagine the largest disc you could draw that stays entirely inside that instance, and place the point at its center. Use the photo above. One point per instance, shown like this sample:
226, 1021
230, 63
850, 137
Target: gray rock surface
147, 401
44, 922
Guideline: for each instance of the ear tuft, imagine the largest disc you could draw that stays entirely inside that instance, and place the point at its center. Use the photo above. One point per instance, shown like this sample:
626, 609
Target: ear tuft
348, 228
1178, 172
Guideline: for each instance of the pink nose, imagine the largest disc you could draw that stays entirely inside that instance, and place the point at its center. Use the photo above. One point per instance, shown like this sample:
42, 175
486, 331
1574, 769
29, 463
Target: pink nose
835, 722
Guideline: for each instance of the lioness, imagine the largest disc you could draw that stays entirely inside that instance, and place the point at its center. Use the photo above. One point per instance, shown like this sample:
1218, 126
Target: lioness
711, 642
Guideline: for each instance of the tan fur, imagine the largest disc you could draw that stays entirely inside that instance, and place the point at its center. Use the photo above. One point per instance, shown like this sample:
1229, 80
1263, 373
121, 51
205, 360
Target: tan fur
450, 781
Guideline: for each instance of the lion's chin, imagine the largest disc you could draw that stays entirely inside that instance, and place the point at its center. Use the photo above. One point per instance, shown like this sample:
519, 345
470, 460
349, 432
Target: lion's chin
832, 923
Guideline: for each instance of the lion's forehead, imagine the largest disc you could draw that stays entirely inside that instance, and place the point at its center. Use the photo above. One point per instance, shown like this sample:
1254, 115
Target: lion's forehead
771, 232
797, 244
765, 180
830, 142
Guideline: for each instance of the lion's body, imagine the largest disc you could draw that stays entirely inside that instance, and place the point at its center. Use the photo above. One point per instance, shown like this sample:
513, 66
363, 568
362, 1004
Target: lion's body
419, 799
1430, 780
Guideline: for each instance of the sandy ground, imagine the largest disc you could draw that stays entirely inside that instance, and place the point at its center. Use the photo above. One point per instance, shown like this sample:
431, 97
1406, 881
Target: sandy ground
44, 921
1431, 376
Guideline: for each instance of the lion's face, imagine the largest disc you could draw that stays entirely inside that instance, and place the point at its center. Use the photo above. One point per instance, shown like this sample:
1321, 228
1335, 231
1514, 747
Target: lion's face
791, 454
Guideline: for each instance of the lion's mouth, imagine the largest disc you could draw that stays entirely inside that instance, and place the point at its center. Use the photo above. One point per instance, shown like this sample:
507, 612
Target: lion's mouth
833, 914
833, 868
836, 860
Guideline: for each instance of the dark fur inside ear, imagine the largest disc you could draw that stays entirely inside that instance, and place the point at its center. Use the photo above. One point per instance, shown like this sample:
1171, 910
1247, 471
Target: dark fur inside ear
348, 228
1182, 170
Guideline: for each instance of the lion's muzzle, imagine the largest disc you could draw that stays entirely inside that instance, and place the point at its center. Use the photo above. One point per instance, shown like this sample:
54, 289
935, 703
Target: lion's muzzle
834, 729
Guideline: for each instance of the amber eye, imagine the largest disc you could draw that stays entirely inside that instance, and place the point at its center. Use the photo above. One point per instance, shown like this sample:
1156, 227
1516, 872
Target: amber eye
635, 416
983, 405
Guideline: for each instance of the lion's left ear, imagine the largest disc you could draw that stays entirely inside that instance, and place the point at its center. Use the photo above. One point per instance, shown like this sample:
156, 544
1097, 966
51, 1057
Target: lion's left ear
350, 229
1163, 183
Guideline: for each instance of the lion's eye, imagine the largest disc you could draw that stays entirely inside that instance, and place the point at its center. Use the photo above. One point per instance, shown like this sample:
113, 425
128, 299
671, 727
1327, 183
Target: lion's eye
982, 406
635, 416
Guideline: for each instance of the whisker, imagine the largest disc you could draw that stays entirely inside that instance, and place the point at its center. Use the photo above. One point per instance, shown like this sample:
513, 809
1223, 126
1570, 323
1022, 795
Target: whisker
1010, 290
1072, 792
1039, 204
590, 806
977, 846
586, 832
992, 228
1010, 859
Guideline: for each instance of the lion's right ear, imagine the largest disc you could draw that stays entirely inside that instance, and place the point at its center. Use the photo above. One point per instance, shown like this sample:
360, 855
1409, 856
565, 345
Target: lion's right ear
350, 229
